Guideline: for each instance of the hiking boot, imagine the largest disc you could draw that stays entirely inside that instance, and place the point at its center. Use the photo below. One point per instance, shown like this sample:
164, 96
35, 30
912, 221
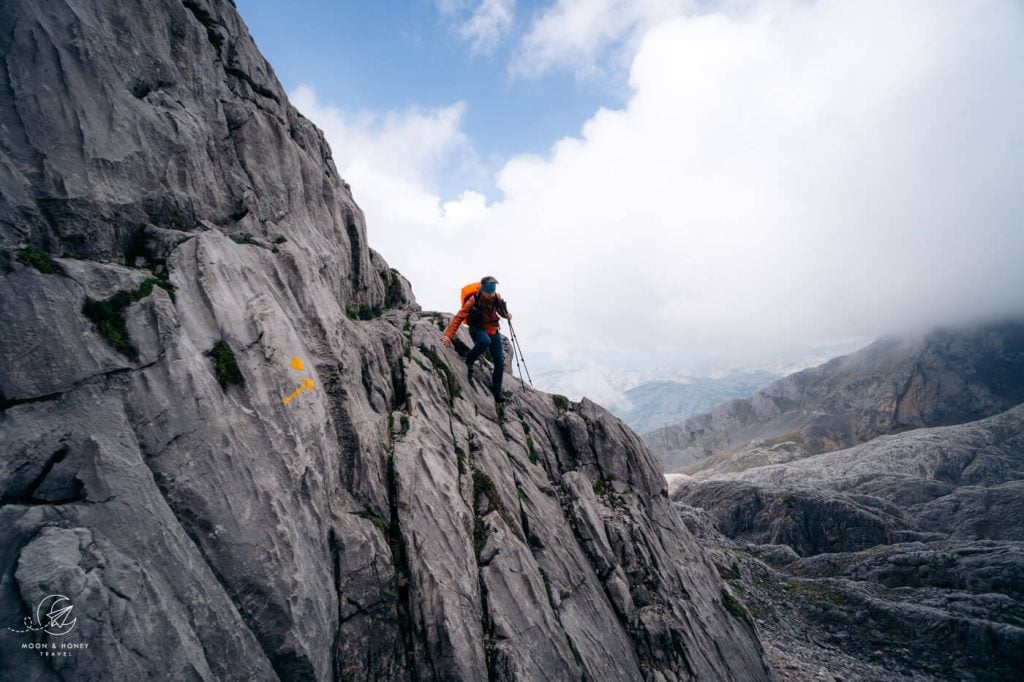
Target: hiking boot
499, 395
469, 370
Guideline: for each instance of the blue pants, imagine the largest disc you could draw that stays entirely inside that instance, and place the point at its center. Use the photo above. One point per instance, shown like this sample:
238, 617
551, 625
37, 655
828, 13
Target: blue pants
482, 342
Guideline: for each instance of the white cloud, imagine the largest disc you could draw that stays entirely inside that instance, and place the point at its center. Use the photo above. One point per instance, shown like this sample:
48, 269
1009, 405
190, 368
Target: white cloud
408, 145
393, 161
468, 208
488, 21
588, 37
784, 175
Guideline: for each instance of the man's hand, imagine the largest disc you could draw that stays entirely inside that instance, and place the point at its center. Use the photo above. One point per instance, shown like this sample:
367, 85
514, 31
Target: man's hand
446, 342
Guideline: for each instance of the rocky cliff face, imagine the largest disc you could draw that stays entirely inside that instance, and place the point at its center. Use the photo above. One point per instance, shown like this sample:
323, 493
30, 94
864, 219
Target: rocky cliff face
950, 376
172, 234
846, 558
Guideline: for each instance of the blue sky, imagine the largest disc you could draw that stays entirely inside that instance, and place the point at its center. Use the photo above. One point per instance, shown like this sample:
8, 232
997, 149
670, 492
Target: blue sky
678, 184
393, 56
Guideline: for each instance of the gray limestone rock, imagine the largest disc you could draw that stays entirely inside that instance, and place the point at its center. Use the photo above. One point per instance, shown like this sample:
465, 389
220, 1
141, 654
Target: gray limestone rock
982, 567
920, 611
963, 482
872, 545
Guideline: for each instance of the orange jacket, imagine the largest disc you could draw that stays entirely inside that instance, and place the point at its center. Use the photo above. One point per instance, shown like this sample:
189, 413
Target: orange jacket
491, 322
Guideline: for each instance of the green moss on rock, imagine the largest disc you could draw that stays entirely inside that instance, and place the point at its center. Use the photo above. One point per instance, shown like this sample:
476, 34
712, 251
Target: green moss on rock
733, 606
108, 314
225, 368
532, 449
364, 312
146, 288
40, 260
245, 238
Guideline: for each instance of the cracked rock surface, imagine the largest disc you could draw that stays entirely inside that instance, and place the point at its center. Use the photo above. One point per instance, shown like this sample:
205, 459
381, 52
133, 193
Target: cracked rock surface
904, 554
172, 234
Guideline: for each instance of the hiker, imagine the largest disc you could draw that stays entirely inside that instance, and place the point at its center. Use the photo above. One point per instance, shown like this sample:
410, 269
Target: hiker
480, 310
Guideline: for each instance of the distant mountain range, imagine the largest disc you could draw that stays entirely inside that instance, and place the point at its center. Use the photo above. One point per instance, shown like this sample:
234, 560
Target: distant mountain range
648, 399
654, 404
948, 376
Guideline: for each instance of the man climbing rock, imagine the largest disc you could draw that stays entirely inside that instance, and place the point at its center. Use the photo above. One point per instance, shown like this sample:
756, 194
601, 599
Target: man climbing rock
481, 310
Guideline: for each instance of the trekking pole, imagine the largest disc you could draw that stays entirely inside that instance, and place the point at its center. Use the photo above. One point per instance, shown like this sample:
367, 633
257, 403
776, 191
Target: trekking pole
528, 377
516, 353
519, 351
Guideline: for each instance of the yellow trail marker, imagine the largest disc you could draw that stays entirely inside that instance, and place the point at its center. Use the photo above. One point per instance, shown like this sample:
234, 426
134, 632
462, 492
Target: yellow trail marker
306, 383
298, 366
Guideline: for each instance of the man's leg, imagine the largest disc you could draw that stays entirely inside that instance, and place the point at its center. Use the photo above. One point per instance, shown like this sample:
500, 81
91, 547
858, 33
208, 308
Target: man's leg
481, 343
498, 355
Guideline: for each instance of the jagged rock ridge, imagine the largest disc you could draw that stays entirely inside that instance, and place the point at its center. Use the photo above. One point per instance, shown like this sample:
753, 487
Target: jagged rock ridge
172, 233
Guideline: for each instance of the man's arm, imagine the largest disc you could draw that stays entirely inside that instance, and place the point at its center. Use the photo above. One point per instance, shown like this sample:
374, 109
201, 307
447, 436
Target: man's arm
463, 313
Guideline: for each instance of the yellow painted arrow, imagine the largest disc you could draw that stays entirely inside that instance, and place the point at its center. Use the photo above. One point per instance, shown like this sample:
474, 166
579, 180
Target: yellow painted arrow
306, 383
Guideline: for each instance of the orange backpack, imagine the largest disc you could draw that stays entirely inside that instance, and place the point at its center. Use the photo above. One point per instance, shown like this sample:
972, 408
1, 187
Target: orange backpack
468, 291
471, 289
